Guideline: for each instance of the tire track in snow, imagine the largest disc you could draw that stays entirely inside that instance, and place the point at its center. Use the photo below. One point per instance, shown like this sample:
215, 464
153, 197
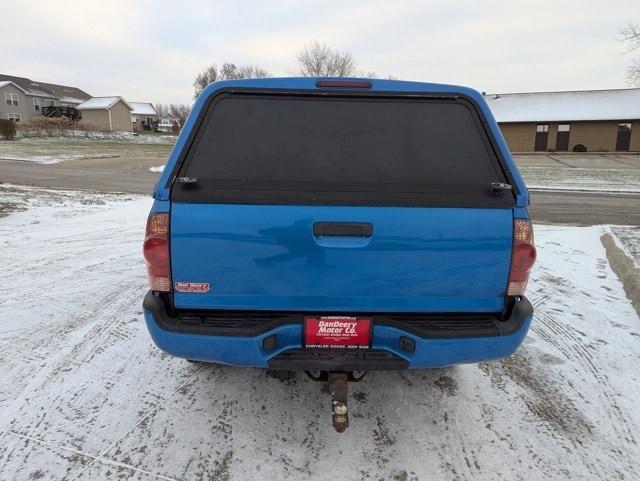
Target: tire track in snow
93, 458
101, 457
50, 344
571, 345
578, 348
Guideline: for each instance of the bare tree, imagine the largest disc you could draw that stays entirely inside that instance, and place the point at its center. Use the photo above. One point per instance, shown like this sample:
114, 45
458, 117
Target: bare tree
320, 60
227, 71
232, 71
633, 73
181, 111
161, 108
204, 78
631, 36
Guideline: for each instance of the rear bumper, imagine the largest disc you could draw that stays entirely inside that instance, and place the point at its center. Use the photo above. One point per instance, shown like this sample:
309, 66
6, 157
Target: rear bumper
396, 345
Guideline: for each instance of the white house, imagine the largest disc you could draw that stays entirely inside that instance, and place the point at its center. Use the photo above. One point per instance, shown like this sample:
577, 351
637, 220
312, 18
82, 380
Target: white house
167, 123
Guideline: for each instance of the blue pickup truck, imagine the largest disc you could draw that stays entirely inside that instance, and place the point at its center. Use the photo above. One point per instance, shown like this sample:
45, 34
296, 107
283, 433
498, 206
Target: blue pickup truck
338, 226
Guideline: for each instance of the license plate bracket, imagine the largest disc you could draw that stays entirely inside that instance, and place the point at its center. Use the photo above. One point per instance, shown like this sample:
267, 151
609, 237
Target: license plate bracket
337, 332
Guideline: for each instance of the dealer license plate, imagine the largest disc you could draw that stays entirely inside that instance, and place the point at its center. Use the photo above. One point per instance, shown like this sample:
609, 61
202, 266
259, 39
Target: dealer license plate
337, 332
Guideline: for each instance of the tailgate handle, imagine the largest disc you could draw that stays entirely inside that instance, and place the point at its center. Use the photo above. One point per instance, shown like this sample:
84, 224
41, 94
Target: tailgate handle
342, 229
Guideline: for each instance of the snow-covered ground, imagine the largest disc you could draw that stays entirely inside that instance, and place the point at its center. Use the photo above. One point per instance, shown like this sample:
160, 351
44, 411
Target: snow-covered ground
579, 178
166, 139
53, 150
629, 239
84, 394
55, 159
26, 132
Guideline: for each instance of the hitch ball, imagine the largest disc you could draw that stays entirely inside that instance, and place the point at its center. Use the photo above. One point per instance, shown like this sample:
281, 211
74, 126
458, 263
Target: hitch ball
339, 408
340, 416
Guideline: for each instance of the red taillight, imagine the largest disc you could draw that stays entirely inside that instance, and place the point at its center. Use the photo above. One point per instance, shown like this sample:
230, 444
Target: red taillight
523, 257
156, 252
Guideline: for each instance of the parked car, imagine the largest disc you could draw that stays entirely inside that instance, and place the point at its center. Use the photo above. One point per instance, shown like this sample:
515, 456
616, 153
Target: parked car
338, 226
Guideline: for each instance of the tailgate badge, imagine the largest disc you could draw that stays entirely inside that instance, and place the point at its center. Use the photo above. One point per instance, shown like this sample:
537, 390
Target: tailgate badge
192, 287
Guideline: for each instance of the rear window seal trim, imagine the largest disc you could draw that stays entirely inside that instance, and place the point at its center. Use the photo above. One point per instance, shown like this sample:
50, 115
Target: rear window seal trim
478, 117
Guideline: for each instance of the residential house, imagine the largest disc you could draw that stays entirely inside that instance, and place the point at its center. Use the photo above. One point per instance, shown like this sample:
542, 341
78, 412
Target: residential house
107, 113
22, 99
143, 116
598, 120
168, 122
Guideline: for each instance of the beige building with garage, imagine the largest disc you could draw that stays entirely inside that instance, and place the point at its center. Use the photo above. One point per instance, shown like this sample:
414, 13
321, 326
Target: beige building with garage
143, 116
107, 113
595, 120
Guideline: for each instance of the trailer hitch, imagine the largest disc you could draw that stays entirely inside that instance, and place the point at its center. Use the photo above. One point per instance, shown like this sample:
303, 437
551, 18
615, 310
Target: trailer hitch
337, 383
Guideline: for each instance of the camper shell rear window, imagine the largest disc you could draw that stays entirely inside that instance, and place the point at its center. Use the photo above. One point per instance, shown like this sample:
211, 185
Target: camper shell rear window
337, 149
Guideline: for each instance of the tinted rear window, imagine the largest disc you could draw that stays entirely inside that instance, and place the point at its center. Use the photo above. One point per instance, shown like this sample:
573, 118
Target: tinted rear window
341, 150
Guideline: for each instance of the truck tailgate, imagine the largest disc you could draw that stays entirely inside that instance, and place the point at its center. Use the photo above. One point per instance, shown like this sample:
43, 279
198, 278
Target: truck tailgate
415, 260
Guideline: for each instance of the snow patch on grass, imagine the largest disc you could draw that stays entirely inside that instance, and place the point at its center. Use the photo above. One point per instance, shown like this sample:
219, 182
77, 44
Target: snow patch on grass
60, 133
50, 159
628, 238
59, 149
154, 139
602, 180
39, 159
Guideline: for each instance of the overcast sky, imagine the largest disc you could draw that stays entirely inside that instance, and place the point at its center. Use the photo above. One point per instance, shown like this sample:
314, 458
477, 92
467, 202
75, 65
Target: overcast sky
149, 51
